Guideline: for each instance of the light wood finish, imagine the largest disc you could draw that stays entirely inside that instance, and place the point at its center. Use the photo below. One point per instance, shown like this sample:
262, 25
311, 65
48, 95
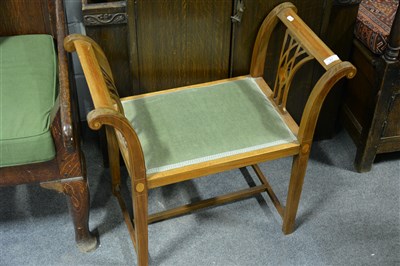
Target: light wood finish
241, 194
108, 112
284, 78
262, 40
304, 35
223, 164
270, 192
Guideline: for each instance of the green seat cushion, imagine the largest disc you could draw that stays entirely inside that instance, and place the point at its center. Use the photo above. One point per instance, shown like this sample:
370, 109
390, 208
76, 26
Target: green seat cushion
28, 77
196, 125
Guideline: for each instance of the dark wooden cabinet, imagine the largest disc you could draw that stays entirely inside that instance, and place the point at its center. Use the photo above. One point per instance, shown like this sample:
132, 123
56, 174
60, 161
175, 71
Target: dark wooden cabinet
371, 109
371, 105
180, 42
33, 17
160, 44
392, 128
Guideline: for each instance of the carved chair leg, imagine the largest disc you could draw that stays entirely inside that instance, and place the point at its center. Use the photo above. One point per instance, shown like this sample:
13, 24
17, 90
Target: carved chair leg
299, 168
140, 201
78, 204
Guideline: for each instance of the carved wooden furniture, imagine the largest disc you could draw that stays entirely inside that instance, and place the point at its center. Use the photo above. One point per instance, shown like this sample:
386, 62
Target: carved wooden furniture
175, 135
200, 42
38, 134
371, 110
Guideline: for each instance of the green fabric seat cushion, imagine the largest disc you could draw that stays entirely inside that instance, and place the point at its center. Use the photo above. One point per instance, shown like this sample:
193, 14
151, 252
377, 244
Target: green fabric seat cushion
186, 127
28, 77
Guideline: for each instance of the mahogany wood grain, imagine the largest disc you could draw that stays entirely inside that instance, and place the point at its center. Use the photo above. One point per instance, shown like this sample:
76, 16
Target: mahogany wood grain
28, 17
66, 172
171, 50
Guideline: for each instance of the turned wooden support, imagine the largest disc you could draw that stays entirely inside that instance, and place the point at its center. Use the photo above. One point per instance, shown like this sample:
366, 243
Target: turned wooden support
393, 49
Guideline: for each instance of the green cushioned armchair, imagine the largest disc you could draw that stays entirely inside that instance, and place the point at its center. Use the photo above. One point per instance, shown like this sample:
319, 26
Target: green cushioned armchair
38, 130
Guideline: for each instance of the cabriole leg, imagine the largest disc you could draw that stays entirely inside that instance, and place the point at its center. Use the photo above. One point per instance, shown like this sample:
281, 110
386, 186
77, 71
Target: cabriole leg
78, 203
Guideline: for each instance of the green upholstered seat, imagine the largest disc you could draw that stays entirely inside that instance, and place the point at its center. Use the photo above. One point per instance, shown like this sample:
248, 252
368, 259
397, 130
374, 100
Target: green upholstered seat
28, 78
200, 124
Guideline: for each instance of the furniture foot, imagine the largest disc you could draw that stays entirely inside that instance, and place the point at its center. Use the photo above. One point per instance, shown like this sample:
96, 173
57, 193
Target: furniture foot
364, 160
294, 192
78, 204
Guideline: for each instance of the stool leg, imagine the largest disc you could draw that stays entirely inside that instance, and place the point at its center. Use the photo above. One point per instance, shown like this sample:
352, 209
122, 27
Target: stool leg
299, 167
140, 201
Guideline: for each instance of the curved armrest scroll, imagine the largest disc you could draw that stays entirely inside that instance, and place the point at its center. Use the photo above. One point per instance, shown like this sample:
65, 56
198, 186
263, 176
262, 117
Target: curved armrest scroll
104, 116
317, 97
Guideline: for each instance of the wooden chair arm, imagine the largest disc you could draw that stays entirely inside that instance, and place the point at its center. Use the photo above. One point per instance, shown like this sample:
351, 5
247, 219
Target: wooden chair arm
317, 97
287, 14
308, 39
131, 150
68, 128
315, 48
91, 57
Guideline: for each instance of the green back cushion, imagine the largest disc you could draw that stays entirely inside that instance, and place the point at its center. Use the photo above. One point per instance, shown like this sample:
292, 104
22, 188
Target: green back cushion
27, 94
201, 124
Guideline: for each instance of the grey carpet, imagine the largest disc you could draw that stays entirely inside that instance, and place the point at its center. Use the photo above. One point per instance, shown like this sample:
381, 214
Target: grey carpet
344, 218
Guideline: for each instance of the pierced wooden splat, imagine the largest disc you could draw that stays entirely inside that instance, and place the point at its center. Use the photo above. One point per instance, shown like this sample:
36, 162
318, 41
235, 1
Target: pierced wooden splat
112, 89
292, 57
